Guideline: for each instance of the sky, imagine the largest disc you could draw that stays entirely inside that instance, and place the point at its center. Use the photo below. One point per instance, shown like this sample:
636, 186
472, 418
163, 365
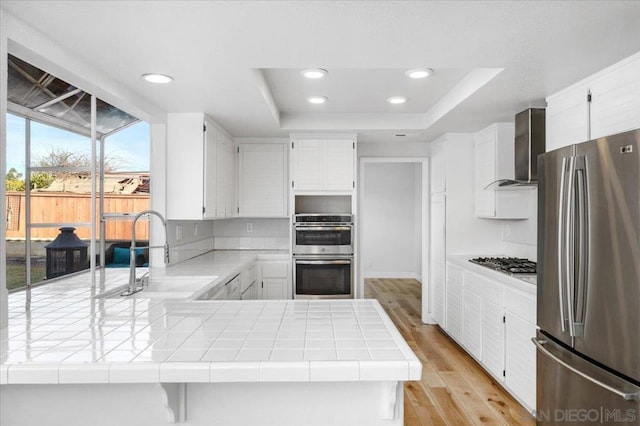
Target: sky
130, 146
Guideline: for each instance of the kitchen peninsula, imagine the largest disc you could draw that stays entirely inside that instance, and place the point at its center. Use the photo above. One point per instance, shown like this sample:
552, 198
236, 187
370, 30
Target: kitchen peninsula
78, 358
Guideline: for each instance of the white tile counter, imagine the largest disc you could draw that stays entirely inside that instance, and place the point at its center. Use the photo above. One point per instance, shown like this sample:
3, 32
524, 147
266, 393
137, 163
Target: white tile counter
150, 341
158, 346
192, 278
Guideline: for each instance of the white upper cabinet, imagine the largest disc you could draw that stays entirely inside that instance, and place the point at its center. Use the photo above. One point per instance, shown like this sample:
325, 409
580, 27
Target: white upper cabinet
339, 165
307, 164
262, 183
615, 101
603, 104
200, 169
494, 160
323, 164
225, 177
190, 167
567, 118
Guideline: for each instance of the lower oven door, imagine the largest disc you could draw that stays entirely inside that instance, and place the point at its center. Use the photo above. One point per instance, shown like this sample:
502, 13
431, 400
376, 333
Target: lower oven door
323, 278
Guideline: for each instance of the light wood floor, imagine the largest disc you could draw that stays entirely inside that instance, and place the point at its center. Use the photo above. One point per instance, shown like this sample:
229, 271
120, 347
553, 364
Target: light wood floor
454, 389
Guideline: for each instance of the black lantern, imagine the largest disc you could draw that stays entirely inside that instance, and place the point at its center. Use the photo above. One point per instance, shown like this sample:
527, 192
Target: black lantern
66, 254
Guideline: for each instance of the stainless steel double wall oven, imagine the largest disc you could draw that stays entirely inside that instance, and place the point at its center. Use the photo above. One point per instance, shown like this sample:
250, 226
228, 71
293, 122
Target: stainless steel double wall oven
323, 256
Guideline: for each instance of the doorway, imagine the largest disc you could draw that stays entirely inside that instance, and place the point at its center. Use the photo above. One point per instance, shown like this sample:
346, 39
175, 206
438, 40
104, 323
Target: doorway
392, 222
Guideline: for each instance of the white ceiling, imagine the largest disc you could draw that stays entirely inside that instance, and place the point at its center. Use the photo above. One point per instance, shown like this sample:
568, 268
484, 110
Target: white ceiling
360, 90
226, 56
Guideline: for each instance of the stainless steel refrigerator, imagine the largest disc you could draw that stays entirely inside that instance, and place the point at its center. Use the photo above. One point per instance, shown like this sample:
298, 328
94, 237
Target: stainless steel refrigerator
588, 342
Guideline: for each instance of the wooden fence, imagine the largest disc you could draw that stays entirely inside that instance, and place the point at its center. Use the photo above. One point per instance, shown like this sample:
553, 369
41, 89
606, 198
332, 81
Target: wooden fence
57, 207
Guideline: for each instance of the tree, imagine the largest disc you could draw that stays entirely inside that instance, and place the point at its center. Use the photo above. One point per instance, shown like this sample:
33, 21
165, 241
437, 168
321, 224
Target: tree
60, 157
41, 180
14, 181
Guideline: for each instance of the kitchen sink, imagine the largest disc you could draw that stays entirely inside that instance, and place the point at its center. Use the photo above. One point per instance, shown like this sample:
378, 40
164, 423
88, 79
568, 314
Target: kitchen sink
165, 287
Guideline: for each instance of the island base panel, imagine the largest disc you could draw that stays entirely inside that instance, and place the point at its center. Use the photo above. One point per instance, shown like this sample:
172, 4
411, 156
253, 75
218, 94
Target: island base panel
259, 403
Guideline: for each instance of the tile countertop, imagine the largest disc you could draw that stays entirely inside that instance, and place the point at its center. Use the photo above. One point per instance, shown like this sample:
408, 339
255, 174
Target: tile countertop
70, 336
526, 284
192, 278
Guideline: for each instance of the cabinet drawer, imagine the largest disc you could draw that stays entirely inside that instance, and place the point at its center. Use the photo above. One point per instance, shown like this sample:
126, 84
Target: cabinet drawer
484, 287
522, 305
218, 292
253, 273
248, 277
275, 269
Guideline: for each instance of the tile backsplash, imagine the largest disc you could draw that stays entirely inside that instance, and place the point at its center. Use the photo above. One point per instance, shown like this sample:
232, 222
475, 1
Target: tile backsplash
252, 234
519, 237
248, 243
186, 251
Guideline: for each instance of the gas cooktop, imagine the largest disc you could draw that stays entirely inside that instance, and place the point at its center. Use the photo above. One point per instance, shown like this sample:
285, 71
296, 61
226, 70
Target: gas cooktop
507, 265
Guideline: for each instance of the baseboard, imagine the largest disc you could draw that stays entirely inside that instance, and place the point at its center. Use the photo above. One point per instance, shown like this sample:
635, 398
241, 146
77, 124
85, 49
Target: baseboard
399, 275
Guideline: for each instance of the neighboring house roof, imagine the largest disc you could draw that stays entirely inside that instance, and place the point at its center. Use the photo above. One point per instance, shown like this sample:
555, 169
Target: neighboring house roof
137, 183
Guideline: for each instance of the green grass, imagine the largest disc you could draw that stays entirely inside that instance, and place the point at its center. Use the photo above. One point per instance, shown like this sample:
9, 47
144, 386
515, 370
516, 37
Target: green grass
17, 275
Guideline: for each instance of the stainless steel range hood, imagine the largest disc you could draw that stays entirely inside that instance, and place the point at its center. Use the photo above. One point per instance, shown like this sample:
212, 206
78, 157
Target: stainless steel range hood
529, 142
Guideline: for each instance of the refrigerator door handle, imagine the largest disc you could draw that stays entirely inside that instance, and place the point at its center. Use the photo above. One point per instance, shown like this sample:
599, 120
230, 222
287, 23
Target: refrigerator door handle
561, 239
570, 245
580, 293
628, 396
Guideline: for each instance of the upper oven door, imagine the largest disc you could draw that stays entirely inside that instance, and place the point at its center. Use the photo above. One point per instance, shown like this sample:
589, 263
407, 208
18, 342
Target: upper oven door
323, 239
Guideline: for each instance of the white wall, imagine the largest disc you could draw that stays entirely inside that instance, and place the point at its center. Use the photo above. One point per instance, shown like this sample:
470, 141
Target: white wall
417, 215
390, 231
393, 149
466, 234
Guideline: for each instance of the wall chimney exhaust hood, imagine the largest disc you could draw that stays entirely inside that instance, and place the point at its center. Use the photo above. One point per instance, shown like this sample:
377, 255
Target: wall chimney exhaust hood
529, 142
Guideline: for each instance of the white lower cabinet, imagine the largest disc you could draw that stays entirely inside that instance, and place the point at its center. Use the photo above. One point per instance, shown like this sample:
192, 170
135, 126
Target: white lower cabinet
495, 324
249, 283
493, 336
276, 280
520, 321
472, 329
483, 322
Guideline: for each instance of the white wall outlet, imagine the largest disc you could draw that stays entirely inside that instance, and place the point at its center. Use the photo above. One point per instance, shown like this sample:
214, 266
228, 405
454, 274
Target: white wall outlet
249, 227
195, 230
178, 232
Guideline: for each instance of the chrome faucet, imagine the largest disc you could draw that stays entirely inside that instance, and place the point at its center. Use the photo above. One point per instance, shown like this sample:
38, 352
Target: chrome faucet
137, 284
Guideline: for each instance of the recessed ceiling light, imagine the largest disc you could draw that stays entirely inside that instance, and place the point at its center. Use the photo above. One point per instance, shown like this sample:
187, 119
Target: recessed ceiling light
419, 72
397, 100
317, 99
314, 73
157, 78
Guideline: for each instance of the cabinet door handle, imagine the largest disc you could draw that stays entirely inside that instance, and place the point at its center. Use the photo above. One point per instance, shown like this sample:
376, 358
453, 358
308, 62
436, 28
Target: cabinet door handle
561, 246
